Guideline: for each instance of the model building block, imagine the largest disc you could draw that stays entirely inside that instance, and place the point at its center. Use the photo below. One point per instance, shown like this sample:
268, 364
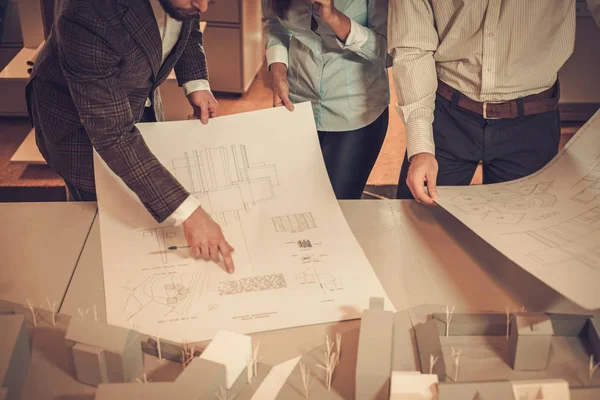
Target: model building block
430, 348
404, 356
203, 378
102, 353
546, 389
144, 391
589, 393
374, 357
276, 379
413, 385
502, 390
593, 335
568, 324
472, 324
530, 340
15, 355
231, 350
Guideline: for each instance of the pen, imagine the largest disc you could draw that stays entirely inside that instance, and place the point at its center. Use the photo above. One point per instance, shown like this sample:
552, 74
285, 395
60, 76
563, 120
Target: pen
178, 247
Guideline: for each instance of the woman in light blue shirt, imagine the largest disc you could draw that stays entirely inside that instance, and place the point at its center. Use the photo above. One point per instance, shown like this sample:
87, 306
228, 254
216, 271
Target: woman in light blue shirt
335, 56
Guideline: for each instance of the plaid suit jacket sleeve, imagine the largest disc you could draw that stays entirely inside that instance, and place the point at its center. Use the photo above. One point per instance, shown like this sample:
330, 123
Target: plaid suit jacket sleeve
191, 65
91, 67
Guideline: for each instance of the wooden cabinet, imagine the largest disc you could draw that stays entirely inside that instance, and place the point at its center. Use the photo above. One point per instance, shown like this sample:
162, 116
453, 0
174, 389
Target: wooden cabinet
233, 43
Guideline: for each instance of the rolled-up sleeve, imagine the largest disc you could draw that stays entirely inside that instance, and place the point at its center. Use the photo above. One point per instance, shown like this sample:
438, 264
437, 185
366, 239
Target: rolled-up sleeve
370, 42
412, 41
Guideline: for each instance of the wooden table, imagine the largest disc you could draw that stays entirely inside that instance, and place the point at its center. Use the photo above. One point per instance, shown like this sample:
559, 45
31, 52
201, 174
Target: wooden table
422, 256
40, 244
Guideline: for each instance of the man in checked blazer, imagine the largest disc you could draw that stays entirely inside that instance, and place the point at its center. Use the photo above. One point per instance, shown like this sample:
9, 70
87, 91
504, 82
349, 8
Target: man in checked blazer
97, 75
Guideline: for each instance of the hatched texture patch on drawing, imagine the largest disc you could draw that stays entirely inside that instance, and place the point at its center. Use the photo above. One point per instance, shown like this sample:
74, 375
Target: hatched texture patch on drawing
252, 284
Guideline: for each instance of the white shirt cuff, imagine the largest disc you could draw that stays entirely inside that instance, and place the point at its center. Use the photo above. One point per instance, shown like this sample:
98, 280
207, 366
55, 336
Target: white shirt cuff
194, 86
357, 37
277, 54
419, 137
186, 209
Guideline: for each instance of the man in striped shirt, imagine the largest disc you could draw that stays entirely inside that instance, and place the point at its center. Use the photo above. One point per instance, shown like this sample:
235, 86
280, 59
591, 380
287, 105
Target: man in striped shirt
477, 81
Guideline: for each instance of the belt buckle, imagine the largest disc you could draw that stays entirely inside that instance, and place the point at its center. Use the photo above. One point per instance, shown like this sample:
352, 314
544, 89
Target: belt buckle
485, 104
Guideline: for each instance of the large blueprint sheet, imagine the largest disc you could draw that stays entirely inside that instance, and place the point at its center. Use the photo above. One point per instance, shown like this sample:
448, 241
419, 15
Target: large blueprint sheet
548, 222
262, 177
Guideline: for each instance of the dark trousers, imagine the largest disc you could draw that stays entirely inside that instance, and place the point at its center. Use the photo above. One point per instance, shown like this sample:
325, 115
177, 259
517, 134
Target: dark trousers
508, 148
82, 195
349, 156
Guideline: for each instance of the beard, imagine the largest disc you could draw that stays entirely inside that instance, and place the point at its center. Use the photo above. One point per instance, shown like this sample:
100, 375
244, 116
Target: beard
177, 14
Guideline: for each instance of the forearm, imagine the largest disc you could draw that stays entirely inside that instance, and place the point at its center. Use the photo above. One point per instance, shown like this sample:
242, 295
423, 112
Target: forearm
370, 41
340, 24
192, 64
415, 82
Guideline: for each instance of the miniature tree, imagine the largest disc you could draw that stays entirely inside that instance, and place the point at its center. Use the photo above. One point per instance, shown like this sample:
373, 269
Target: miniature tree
328, 367
507, 311
449, 314
222, 395
52, 307
187, 354
143, 380
593, 369
306, 381
158, 350
456, 359
432, 361
338, 344
33, 314
252, 364
83, 313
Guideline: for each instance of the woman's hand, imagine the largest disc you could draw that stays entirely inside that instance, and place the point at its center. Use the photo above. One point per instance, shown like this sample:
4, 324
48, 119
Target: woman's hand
281, 87
326, 9
337, 20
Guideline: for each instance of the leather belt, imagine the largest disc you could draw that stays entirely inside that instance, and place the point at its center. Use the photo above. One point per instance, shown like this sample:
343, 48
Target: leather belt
533, 104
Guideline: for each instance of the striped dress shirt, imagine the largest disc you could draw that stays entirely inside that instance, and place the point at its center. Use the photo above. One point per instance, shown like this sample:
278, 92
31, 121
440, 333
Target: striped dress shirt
490, 50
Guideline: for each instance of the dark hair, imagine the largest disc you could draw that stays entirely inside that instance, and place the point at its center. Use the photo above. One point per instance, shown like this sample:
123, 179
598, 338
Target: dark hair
281, 7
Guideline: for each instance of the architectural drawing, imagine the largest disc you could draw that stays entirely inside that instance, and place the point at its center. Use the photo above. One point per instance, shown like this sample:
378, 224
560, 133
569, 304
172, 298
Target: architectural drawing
548, 222
270, 192
506, 205
591, 189
170, 293
570, 241
224, 181
326, 281
164, 238
294, 223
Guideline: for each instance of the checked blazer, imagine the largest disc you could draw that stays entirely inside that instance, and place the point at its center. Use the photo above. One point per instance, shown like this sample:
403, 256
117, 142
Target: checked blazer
89, 86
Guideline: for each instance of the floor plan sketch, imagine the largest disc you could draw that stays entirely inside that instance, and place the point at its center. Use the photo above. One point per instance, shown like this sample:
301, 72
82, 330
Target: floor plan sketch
294, 223
591, 186
576, 241
548, 222
261, 177
223, 179
504, 205
169, 293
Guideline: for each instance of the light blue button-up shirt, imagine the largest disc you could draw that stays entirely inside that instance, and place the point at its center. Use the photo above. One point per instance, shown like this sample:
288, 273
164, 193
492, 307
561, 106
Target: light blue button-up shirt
347, 83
